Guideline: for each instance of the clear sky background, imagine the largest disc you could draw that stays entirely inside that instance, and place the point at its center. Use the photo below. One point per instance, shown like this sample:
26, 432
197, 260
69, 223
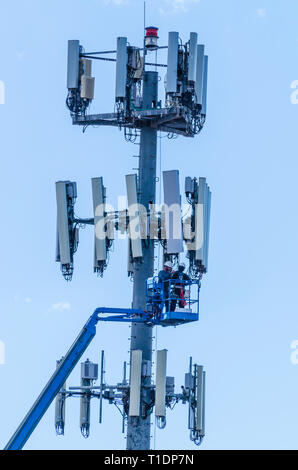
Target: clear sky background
247, 151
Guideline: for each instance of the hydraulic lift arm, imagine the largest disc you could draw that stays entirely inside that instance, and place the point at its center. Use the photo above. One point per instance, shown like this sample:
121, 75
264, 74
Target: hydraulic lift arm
55, 383
71, 359
68, 363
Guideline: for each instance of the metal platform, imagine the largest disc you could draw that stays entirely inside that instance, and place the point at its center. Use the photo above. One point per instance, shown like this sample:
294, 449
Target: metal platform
172, 120
178, 318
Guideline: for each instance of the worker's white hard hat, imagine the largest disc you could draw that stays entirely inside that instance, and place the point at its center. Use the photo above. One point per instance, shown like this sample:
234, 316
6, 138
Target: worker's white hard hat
168, 264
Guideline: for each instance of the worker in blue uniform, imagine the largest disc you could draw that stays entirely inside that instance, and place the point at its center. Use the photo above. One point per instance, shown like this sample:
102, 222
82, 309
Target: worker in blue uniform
164, 277
179, 287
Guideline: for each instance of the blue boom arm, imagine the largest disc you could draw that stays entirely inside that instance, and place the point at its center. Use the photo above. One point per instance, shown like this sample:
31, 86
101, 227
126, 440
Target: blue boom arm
55, 383
68, 363
71, 359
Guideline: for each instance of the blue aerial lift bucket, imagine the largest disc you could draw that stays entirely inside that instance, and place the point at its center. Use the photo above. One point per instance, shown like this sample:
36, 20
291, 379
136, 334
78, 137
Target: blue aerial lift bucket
173, 302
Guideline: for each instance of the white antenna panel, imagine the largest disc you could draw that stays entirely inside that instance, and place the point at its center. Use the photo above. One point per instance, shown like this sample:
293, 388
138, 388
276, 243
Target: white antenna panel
134, 216
135, 383
98, 194
200, 74
63, 245
161, 377
205, 86
171, 86
192, 58
172, 212
121, 69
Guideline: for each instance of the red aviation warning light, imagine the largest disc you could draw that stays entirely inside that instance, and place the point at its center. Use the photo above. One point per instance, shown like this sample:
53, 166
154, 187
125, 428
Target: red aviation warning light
151, 38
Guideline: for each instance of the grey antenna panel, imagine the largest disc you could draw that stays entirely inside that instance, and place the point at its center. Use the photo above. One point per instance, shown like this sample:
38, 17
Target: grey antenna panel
121, 68
204, 405
192, 59
135, 383
63, 244
73, 64
200, 389
172, 212
200, 221
189, 186
205, 86
57, 258
207, 202
172, 63
202, 230
134, 216
209, 199
130, 268
200, 74
160, 380
98, 193
60, 402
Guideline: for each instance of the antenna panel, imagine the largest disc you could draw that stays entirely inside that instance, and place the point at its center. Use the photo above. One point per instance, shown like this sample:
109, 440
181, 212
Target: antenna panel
200, 221
206, 223
172, 212
205, 86
102, 373
130, 269
57, 258
63, 245
192, 58
98, 193
134, 216
60, 408
208, 227
161, 380
85, 415
200, 74
135, 383
200, 388
189, 186
204, 405
121, 68
60, 413
172, 63
73, 64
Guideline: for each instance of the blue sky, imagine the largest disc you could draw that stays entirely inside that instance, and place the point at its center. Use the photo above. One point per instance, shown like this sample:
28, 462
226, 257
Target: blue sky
248, 153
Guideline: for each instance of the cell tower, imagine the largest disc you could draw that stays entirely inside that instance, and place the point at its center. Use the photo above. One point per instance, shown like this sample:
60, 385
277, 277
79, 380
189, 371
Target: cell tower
168, 299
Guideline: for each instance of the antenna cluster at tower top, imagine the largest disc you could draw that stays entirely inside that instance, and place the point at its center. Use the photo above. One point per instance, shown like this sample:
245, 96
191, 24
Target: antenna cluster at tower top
185, 105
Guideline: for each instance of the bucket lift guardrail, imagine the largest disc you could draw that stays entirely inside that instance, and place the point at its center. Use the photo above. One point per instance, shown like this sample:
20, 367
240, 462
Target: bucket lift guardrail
164, 300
